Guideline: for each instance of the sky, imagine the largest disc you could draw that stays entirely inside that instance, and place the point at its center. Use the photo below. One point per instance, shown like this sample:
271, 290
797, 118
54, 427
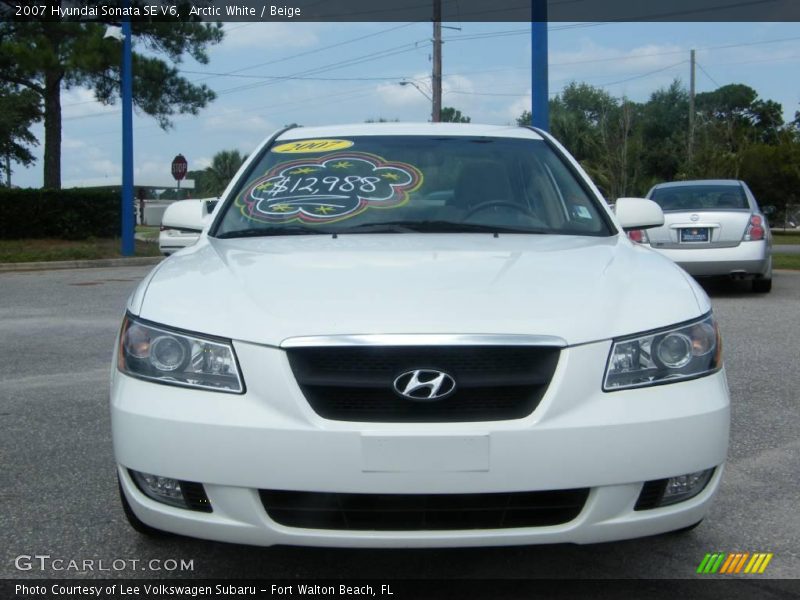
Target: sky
351, 72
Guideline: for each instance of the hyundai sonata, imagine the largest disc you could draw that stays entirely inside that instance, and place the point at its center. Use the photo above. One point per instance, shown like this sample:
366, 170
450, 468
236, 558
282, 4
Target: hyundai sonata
418, 335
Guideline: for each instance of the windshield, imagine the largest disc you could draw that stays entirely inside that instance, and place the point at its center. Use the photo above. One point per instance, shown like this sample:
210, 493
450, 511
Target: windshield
700, 197
374, 184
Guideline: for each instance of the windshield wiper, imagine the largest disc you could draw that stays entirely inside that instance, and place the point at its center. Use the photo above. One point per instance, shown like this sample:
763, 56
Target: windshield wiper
433, 227
270, 231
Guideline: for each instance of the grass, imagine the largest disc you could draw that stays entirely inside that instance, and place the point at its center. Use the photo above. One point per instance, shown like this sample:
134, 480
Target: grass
151, 233
792, 237
786, 261
30, 250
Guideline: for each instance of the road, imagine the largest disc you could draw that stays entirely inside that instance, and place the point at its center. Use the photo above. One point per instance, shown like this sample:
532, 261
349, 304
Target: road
58, 490
786, 249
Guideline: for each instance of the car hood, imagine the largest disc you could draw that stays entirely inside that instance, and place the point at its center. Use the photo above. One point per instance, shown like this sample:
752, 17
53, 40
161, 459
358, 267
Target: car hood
265, 290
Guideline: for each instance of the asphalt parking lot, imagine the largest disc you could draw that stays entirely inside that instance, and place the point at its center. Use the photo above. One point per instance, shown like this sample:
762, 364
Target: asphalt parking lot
58, 488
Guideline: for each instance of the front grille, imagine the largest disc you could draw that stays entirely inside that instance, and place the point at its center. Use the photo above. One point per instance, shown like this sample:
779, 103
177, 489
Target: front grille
422, 512
355, 383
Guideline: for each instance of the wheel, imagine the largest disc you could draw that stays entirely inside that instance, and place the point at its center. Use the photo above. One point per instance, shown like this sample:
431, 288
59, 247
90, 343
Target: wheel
134, 521
762, 286
493, 203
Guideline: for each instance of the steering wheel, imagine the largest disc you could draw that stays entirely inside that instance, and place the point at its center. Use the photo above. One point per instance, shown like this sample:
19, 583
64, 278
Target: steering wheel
493, 203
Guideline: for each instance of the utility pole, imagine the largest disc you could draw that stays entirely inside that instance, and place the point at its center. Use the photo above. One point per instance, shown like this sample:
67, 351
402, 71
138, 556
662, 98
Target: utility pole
691, 106
436, 78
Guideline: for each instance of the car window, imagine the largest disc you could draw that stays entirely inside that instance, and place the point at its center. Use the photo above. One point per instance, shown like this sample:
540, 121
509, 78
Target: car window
700, 197
359, 183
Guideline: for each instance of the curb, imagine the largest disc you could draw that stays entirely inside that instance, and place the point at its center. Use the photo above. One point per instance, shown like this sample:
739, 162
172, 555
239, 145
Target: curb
138, 261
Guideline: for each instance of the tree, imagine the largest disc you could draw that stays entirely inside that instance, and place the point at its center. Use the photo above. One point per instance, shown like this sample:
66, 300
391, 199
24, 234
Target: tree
223, 167
665, 127
18, 111
732, 119
46, 57
452, 115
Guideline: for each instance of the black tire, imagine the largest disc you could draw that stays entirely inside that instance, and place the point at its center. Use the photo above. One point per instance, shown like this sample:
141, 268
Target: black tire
135, 522
762, 286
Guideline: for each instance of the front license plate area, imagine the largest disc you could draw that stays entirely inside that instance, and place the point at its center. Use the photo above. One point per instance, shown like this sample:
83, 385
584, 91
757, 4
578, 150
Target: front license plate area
693, 235
424, 453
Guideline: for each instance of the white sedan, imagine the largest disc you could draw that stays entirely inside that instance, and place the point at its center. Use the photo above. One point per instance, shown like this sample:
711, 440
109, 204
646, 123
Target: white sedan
173, 236
418, 335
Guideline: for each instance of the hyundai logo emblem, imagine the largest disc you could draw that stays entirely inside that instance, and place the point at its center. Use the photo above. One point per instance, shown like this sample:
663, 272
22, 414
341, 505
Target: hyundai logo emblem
424, 385
695, 217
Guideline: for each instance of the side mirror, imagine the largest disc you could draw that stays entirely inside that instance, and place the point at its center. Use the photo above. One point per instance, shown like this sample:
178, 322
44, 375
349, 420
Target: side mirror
638, 213
186, 215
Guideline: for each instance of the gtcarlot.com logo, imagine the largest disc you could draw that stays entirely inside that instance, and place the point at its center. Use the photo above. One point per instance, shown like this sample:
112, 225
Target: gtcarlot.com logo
45, 562
734, 563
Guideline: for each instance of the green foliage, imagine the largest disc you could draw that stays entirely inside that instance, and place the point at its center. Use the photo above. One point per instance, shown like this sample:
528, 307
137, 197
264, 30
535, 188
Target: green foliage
74, 214
47, 57
216, 177
449, 114
18, 111
525, 119
626, 147
773, 173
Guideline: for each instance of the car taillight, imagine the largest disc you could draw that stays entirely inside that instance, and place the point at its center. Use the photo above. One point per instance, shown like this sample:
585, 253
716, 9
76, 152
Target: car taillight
755, 230
638, 235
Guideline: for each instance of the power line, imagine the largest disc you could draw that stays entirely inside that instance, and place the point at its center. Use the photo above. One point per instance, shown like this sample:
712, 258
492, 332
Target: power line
707, 74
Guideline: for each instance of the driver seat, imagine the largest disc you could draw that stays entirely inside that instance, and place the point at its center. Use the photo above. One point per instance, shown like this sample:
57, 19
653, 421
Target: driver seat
479, 182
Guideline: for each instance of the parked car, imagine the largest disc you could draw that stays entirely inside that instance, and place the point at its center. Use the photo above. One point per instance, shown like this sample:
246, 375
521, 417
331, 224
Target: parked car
416, 335
713, 228
173, 237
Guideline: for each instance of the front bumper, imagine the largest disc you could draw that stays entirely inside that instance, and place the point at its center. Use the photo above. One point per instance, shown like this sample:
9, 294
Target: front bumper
748, 258
269, 438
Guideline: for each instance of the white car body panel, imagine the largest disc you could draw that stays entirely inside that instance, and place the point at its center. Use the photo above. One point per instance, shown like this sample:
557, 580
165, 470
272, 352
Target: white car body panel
473, 283
267, 294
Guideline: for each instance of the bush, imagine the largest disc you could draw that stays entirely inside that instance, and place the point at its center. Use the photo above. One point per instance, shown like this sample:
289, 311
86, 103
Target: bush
74, 214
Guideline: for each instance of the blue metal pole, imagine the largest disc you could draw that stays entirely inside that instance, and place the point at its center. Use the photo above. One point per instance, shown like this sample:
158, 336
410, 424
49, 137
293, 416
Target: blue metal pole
128, 217
540, 116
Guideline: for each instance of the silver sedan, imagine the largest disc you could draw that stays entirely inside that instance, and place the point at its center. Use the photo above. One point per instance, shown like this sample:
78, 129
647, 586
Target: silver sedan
711, 228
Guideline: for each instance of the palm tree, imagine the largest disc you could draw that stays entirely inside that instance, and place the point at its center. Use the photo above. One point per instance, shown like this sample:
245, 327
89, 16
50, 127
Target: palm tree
223, 167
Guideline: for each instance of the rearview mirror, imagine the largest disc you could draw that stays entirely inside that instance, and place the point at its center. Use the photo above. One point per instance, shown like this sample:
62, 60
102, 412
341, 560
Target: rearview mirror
638, 213
186, 215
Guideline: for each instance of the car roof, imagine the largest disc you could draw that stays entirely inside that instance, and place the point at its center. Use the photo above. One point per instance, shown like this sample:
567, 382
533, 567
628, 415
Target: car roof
730, 182
450, 129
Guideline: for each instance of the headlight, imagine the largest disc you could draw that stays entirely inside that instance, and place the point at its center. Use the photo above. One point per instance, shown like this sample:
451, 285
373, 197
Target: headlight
681, 352
166, 356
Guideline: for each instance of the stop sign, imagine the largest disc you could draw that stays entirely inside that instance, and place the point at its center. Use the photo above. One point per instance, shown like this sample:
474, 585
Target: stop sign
179, 167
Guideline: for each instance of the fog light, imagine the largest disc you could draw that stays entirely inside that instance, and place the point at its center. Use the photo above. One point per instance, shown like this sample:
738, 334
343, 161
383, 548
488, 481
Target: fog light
683, 487
664, 492
161, 489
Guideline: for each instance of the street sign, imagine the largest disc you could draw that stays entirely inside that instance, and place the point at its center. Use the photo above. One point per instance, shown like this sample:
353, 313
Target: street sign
179, 167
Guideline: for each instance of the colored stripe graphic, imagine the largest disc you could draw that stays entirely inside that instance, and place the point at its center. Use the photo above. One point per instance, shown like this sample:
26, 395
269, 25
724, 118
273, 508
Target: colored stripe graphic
735, 562
731, 560
764, 564
741, 562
